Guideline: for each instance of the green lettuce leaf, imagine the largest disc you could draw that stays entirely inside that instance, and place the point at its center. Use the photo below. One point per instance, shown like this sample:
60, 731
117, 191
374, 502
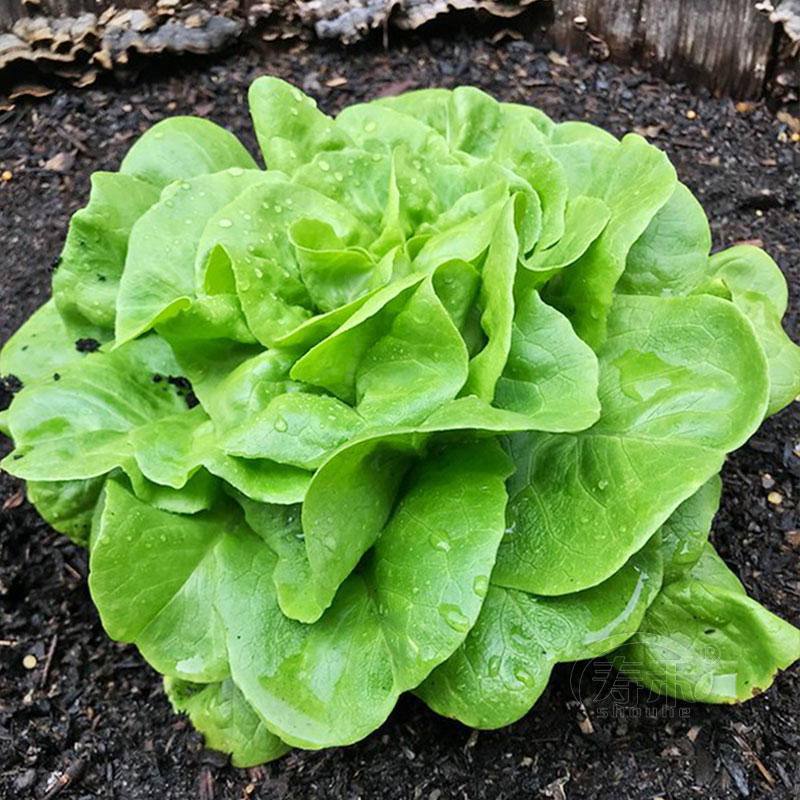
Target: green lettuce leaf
581, 504
755, 285
704, 640
505, 662
226, 720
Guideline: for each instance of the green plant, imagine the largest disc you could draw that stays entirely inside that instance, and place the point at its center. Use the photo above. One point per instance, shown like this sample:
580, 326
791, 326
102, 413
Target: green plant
436, 401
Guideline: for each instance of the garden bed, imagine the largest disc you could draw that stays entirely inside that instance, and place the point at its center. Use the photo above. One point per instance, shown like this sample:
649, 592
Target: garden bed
93, 713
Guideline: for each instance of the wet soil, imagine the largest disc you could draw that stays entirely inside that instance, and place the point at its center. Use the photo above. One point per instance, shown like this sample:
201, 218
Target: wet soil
91, 713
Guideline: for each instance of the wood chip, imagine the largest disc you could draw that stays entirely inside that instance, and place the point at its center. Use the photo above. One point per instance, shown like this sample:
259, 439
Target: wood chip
693, 733
648, 131
333, 83
793, 538
776, 498
555, 790
60, 162
16, 499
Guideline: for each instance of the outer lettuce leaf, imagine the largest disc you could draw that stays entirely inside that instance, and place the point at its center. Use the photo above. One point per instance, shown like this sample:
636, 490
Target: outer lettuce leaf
704, 640
160, 600
505, 662
756, 286
226, 720
154, 289
682, 381
86, 283
78, 427
68, 506
44, 335
313, 685
181, 148
685, 533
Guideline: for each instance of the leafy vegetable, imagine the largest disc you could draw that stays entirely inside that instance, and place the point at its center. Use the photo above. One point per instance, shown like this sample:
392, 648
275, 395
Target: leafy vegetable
436, 401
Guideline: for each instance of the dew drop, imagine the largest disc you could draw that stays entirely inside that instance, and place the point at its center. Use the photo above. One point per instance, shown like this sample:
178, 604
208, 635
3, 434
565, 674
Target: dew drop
280, 424
523, 676
453, 616
494, 666
259, 273
339, 177
236, 172
324, 166
480, 585
439, 542
519, 636
370, 126
602, 484
225, 223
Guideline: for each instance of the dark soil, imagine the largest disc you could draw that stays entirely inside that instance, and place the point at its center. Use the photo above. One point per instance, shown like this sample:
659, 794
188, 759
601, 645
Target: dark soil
93, 713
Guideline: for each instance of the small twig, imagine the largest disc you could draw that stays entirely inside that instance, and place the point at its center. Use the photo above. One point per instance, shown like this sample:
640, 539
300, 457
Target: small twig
72, 571
689, 144
78, 144
748, 751
206, 785
72, 774
48, 661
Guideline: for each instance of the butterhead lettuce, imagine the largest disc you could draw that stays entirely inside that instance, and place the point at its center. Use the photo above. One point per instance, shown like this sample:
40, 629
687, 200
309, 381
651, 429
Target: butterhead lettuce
435, 401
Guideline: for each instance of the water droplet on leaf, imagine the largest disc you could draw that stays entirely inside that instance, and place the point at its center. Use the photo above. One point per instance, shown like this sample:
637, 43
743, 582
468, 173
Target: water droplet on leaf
453, 616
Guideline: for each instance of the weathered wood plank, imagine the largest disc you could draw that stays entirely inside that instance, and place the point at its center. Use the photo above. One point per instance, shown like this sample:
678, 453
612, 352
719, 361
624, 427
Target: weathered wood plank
722, 44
